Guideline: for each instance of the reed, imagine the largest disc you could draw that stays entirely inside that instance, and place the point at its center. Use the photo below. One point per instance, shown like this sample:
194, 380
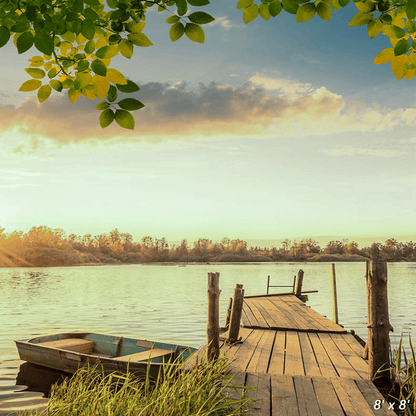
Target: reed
198, 392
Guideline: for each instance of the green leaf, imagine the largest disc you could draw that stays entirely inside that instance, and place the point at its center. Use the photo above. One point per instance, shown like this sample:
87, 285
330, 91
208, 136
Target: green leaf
250, 13
24, 42
385, 56
88, 29
44, 92
374, 28
44, 42
135, 27
393, 32
116, 77
73, 94
402, 46
124, 119
4, 35
31, 85
78, 6
82, 65
92, 2
410, 26
200, 18
365, 6
52, 72
264, 11
126, 48
323, 11
139, 39
386, 18
89, 47
130, 104
99, 67
106, 118
305, 12
107, 52
82, 80
275, 8
100, 86
172, 19
35, 72
198, 3
112, 93
194, 32
343, 3
90, 14
289, 6
102, 106
334, 3
112, 4
411, 9
56, 85
399, 66
360, 19
130, 87
176, 31
242, 4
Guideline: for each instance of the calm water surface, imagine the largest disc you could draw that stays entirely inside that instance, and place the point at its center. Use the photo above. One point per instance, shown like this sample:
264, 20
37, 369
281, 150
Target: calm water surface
167, 303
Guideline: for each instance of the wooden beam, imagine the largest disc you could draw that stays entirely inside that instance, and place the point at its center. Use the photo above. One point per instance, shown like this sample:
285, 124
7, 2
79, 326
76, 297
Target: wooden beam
279, 294
334, 295
213, 327
237, 308
299, 282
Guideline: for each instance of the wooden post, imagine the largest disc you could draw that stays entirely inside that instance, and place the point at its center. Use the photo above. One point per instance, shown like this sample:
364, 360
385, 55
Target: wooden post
378, 322
268, 283
298, 290
228, 317
236, 313
334, 295
213, 327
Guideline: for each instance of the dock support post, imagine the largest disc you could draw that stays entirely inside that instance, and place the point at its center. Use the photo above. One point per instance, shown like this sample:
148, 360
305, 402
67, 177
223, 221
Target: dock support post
334, 295
236, 313
228, 316
378, 322
268, 283
298, 290
213, 327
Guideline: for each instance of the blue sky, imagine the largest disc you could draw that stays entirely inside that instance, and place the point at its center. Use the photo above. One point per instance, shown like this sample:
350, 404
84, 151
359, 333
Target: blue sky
269, 130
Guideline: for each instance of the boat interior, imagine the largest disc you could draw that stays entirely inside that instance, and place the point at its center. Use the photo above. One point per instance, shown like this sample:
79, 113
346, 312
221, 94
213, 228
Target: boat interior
106, 346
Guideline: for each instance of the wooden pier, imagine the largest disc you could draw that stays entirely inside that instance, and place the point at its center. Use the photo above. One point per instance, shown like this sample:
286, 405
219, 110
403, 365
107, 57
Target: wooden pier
301, 363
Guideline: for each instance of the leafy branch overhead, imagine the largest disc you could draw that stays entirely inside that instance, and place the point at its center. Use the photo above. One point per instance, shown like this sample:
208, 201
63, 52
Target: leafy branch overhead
395, 19
78, 39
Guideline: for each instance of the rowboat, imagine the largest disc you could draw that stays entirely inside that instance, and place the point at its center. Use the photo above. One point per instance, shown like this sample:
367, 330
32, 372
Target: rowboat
69, 351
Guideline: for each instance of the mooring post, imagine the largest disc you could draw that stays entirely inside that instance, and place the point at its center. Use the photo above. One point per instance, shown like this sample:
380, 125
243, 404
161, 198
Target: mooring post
298, 290
268, 283
237, 308
378, 322
334, 295
213, 327
228, 316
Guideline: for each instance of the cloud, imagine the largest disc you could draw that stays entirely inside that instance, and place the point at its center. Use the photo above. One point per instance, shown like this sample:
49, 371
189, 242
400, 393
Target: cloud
223, 22
264, 107
350, 151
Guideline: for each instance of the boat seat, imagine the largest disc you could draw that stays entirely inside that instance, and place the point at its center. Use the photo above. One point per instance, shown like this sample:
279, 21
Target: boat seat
146, 355
83, 346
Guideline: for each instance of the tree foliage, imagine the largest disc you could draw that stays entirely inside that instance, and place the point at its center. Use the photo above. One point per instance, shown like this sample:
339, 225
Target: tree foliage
78, 39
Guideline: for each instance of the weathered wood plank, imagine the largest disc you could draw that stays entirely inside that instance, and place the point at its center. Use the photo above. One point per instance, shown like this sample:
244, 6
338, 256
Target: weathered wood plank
351, 398
261, 394
371, 394
354, 344
309, 360
342, 366
277, 360
298, 321
261, 357
326, 397
245, 351
278, 316
245, 317
324, 362
251, 321
293, 358
259, 317
305, 393
283, 396
324, 323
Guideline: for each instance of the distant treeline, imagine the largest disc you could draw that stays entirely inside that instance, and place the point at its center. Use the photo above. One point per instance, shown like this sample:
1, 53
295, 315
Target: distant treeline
43, 246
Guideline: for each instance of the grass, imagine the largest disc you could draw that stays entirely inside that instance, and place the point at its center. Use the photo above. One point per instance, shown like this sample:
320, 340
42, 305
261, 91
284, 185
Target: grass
179, 392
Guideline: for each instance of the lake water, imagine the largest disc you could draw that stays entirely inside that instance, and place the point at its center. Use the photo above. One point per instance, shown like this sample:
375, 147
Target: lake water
168, 303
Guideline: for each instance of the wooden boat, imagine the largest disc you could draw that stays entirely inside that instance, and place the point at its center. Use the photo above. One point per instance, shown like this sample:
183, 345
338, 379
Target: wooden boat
69, 351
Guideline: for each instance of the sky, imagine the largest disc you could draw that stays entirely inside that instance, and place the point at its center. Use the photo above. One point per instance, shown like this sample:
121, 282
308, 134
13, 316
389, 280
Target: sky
267, 131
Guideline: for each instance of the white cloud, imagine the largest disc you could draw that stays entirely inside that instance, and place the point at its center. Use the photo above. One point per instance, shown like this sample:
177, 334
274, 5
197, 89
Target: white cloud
350, 151
223, 22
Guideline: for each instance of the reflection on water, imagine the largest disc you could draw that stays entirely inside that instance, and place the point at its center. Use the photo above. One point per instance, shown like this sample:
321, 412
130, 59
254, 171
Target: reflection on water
165, 303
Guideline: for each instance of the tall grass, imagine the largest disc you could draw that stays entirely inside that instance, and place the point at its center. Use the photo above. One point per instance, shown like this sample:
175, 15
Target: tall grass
405, 380
176, 392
